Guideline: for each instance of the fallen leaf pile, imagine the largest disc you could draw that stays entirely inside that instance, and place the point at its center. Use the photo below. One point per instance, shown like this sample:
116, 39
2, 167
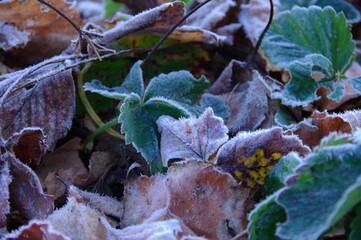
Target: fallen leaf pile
202, 141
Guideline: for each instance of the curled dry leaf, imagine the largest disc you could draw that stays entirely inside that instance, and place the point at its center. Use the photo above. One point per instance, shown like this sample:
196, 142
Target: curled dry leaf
248, 95
204, 199
191, 138
250, 156
322, 124
28, 145
49, 105
5, 180
26, 194
36, 230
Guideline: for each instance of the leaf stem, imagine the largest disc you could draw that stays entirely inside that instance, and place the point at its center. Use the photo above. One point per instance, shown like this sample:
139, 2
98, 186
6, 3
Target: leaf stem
169, 32
96, 119
101, 129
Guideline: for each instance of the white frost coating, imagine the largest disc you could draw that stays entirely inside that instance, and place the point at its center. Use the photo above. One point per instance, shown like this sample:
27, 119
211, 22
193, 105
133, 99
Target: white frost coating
191, 138
11, 37
91, 11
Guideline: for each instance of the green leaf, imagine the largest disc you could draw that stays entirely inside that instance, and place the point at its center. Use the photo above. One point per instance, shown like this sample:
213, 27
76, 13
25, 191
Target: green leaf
325, 188
351, 13
280, 172
308, 75
355, 225
179, 86
158, 109
355, 83
220, 109
335, 139
300, 32
141, 131
264, 218
133, 83
111, 7
284, 118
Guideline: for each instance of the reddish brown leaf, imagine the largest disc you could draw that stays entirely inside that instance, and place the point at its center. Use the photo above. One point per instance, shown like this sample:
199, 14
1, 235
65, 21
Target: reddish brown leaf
36, 230
28, 145
48, 105
322, 124
26, 193
250, 156
5, 180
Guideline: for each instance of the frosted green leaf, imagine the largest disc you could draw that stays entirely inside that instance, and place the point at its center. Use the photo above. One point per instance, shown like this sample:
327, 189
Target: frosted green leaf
140, 130
355, 83
326, 188
180, 86
280, 172
220, 109
351, 13
285, 119
355, 225
308, 75
133, 83
297, 33
264, 218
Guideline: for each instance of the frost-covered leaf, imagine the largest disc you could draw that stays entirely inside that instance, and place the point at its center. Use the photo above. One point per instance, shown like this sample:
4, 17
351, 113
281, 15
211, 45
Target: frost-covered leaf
351, 13
280, 172
36, 230
220, 109
140, 130
325, 187
133, 83
322, 124
178, 86
263, 220
11, 37
191, 138
250, 156
309, 74
26, 194
355, 225
247, 94
49, 104
295, 34
5, 180
28, 145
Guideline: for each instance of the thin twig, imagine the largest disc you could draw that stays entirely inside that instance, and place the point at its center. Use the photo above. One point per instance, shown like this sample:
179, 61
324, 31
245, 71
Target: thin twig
241, 234
169, 32
259, 42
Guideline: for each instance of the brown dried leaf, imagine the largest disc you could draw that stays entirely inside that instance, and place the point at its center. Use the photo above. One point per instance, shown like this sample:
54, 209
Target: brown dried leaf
322, 124
66, 164
250, 156
5, 180
248, 95
36, 230
26, 193
78, 221
28, 145
191, 138
49, 105
204, 199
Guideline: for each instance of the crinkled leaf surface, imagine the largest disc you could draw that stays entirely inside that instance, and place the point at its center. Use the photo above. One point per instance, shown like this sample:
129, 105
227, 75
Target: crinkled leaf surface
351, 13
308, 75
250, 156
297, 33
191, 138
133, 83
5, 180
264, 218
326, 187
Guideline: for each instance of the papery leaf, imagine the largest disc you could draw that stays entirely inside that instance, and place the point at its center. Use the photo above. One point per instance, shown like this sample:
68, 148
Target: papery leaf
250, 156
355, 225
133, 83
26, 193
275, 180
140, 130
28, 145
5, 180
49, 105
77, 221
14, 38
36, 230
191, 138
263, 220
351, 13
326, 187
309, 74
179, 86
295, 34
